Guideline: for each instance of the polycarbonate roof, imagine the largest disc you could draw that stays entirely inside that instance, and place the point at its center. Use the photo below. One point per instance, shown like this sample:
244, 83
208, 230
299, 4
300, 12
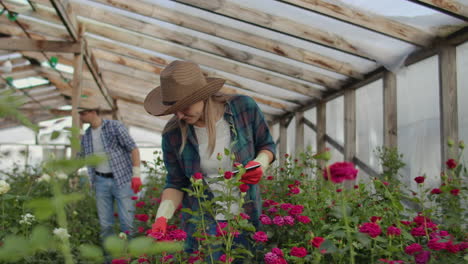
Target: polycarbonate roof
285, 54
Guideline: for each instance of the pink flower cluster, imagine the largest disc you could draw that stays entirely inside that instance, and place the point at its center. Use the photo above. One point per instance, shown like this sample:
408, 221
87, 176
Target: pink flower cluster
172, 234
372, 229
276, 256
340, 171
294, 214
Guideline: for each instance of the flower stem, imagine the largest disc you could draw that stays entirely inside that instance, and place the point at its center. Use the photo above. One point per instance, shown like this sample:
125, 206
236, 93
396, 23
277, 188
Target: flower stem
61, 220
199, 193
348, 229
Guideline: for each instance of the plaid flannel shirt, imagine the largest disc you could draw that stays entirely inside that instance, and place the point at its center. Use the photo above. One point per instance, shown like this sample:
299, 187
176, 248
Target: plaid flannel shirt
118, 145
250, 135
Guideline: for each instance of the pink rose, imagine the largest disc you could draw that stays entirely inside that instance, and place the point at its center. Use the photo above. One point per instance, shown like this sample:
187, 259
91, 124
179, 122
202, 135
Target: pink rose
198, 176
299, 252
340, 171
244, 187
413, 248
303, 219
423, 257
393, 231
317, 241
260, 236
372, 229
455, 192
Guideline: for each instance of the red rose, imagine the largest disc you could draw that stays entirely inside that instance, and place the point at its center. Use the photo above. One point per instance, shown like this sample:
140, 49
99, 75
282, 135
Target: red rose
142, 217
340, 171
228, 175
197, 176
372, 229
270, 178
455, 191
244, 187
393, 231
299, 252
451, 163
374, 219
436, 191
317, 241
419, 179
413, 248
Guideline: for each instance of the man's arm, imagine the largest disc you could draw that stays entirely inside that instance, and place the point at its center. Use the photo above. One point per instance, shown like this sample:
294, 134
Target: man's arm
135, 157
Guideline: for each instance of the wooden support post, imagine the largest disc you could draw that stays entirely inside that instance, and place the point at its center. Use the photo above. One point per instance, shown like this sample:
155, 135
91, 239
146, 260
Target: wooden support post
299, 146
390, 124
321, 128
349, 128
76, 89
448, 101
283, 142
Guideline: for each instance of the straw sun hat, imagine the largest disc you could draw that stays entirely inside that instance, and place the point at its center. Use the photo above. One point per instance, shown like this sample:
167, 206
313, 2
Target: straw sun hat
182, 84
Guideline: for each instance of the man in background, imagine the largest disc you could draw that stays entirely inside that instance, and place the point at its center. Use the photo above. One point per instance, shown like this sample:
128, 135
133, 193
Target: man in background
118, 177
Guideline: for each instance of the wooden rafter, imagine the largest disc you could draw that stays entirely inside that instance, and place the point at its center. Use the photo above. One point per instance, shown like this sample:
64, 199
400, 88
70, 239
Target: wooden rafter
27, 44
280, 24
366, 20
450, 7
154, 10
66, 14
198, 43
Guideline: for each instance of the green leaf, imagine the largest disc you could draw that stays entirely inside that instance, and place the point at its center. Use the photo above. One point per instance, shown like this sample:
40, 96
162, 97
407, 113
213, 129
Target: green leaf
363, 239
168, 247
91, 252
14, 248
43, 207
55, 135
140, 245
328, 246
227, 152
41, 238
115, 246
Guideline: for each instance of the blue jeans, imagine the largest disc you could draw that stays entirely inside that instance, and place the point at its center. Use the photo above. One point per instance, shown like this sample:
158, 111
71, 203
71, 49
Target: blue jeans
107, 192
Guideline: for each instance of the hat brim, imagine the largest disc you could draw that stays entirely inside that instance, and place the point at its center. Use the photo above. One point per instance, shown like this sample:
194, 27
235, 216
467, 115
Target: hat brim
154, 105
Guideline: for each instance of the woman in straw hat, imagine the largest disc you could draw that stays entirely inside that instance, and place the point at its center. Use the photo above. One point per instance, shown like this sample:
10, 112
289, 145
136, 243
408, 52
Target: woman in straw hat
206, 122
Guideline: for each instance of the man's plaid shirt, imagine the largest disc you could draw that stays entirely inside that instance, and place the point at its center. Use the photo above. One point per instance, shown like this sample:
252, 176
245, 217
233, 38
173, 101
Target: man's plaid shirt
249, 133
118, 145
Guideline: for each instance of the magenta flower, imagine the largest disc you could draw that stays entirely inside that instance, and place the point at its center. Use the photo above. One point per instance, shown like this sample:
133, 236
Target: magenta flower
299, 252
340, 171
244, 216
140, 204
271, 258
393, 231
265, 220
435, 245
178, 235
436, 191
278, 220
418, 231
413, 249
197, 176
296, 210
372, 229
288, 220
451, 164
303, 219
260, 236
277, 252
317, 241
142, 217
423, 257
455, 192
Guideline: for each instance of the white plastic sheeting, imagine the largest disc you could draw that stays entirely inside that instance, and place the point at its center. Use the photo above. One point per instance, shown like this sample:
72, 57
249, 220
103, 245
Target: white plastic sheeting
369, 125
418, 121
462, 74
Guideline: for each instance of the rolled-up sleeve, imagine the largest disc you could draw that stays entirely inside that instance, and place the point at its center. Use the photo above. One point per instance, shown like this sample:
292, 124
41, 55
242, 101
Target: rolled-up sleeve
175, 176
260, 131
124, 138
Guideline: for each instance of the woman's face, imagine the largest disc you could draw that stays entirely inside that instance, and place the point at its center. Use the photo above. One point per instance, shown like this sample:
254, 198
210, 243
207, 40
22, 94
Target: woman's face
193, 114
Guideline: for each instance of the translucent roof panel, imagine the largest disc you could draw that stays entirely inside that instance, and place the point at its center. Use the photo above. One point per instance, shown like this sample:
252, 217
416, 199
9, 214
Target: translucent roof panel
407, 12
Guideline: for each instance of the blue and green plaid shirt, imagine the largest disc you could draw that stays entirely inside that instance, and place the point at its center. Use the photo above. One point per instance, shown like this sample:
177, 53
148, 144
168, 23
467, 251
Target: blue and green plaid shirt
118, 145
251, 135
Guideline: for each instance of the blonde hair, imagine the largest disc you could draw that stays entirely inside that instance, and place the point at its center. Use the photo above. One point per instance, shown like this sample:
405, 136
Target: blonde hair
213, 108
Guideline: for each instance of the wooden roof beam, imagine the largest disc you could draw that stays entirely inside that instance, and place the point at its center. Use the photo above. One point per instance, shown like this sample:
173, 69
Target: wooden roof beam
27, 44
367, 20
181, 19
449, 7
279, 24
66, 14
218, 49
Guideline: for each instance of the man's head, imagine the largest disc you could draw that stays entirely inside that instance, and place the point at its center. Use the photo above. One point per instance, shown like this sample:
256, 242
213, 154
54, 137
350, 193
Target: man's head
88, 112
182, 92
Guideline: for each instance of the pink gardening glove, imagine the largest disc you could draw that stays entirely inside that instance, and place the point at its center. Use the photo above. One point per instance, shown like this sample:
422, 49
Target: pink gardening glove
252, 176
